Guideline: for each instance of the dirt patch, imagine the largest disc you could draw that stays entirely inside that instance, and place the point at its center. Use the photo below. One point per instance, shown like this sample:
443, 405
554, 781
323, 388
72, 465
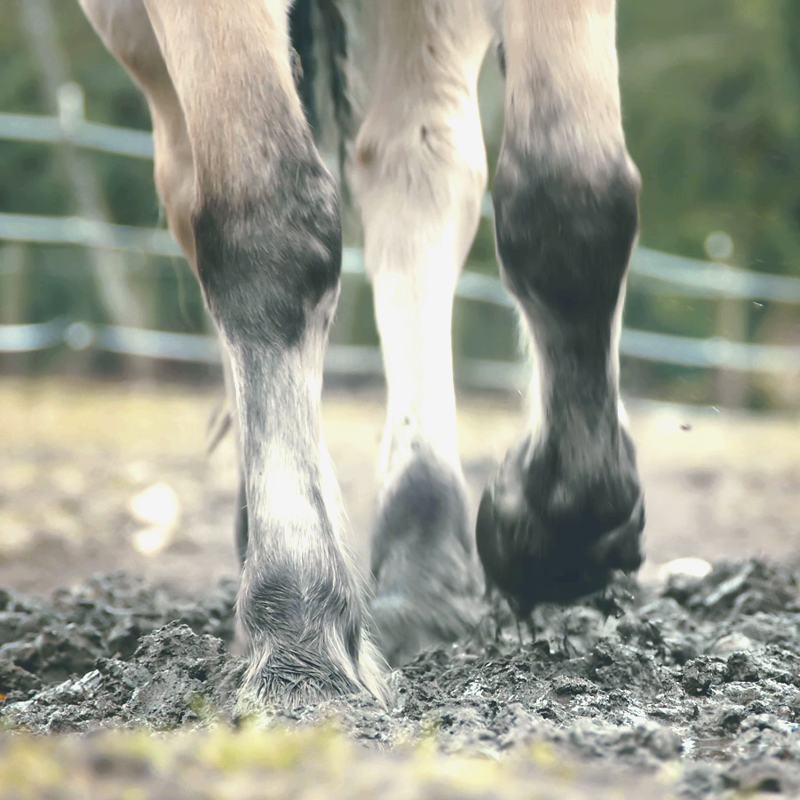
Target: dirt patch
75, 454
700, 673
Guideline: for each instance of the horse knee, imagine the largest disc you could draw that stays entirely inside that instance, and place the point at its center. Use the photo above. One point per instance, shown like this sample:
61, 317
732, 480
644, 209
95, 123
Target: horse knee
565, 231
422, 151
427, 174
268, 256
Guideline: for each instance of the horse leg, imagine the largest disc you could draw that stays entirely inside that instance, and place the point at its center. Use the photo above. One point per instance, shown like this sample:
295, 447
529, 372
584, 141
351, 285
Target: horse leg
265, 230
419, 174
125, 29
566, 508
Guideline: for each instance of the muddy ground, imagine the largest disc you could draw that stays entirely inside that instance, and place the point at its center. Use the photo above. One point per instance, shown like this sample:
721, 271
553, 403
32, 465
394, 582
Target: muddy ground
697, 684
677, 686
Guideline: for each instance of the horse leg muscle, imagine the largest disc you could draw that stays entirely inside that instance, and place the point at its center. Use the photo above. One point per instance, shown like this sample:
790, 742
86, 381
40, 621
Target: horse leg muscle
125, 29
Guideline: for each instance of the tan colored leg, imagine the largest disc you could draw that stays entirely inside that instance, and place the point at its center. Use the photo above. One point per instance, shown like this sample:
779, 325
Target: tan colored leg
265, 228
125, 29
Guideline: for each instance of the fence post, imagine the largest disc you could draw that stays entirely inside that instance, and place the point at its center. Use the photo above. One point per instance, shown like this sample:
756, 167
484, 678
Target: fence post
13, 300
731, 387
66, 98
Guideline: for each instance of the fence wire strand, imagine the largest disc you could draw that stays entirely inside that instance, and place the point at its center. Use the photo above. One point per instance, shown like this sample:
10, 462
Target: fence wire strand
652, 271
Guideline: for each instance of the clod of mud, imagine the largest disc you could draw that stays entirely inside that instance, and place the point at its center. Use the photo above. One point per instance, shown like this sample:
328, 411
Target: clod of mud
115, 652
699, 672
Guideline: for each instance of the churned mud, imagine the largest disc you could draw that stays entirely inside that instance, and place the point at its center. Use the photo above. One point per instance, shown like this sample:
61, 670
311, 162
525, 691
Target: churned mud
692, 686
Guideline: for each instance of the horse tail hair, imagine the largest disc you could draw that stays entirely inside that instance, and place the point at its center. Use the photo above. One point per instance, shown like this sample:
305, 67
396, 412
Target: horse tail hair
320, 41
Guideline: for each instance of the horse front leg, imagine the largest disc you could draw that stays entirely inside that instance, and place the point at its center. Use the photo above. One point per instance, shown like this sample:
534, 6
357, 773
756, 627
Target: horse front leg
267, 237
566, 508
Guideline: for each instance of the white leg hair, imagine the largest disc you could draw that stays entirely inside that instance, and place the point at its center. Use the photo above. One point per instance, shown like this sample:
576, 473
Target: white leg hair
419, 173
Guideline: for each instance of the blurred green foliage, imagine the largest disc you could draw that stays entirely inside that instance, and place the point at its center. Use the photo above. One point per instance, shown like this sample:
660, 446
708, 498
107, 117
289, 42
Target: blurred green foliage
711, 97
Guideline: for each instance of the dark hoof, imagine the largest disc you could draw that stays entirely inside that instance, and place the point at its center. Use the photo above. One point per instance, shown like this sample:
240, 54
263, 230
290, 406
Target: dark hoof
406, 626
544, 538
427, 586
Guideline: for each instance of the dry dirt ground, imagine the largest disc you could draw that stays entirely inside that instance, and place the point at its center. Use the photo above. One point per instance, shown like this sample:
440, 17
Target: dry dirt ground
75, 455
692, 687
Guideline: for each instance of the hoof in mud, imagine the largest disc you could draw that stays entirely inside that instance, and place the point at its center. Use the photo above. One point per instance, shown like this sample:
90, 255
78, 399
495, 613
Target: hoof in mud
541, 540
427, 584
291, 676
406, 625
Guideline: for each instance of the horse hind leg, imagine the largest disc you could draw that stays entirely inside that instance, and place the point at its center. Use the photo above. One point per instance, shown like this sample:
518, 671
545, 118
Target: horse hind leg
419, 174
125, 29
566, 508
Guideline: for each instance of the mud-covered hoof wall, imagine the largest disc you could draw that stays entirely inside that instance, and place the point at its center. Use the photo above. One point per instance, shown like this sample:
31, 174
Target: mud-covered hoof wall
533, 555
427, 580
621, 547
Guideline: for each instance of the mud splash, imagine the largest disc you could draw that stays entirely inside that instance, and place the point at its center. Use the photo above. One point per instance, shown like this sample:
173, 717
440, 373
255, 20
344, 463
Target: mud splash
702, 673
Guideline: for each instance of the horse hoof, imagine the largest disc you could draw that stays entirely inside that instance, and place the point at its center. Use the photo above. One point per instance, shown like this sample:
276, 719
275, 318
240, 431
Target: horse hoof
541, 542
406, 625
427, 585
297, 674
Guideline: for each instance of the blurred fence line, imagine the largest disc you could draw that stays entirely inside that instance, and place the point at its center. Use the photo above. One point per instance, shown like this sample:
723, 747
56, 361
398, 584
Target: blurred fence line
71, 129
651, 271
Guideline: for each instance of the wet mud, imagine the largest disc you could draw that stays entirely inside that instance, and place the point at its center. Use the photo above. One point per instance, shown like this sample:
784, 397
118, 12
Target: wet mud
695, 678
